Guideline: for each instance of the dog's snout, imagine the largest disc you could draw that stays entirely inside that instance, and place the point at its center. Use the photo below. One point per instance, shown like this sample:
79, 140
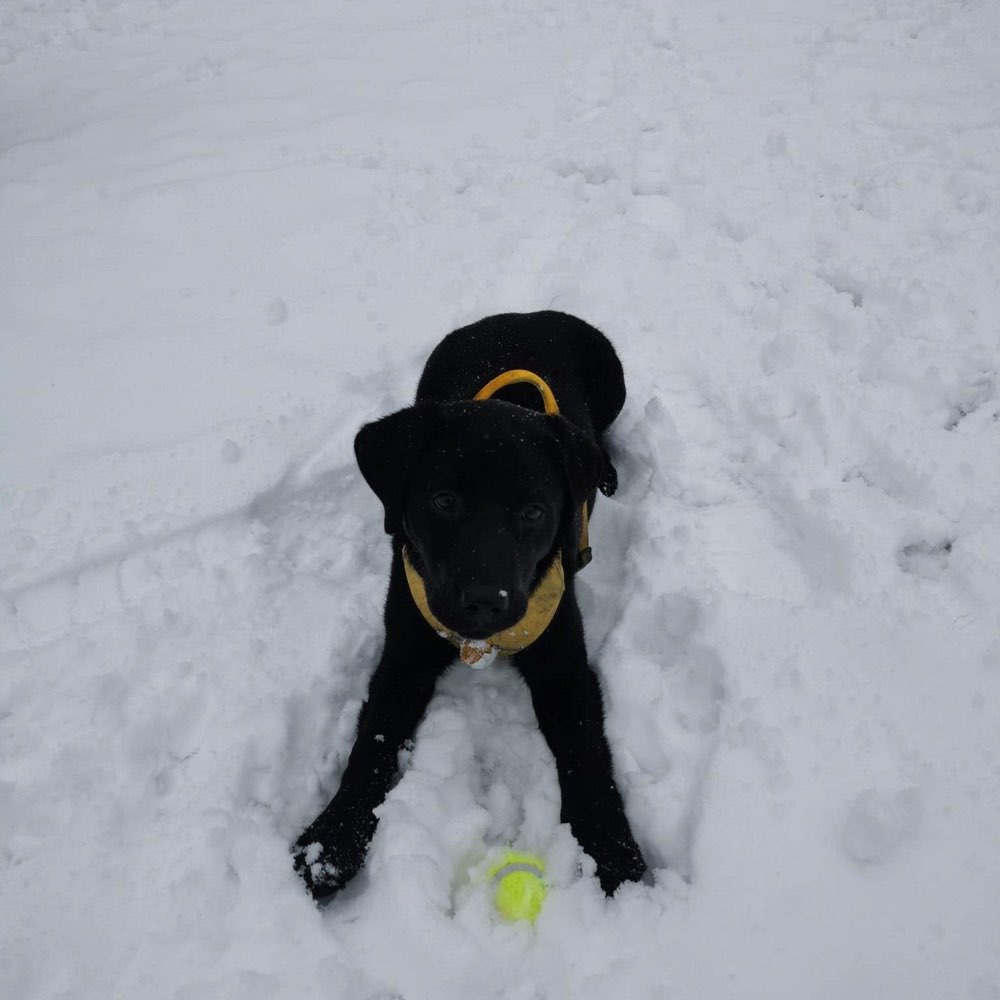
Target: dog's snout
483, 603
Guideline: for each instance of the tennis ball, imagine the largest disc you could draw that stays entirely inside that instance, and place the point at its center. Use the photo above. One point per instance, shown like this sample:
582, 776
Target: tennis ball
519, 886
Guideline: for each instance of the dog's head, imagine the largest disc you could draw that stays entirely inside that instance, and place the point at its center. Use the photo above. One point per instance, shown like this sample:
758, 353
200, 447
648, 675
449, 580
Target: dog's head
484, 495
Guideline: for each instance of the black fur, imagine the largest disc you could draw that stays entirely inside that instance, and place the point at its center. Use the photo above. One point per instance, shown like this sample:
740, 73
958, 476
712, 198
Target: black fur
485, 495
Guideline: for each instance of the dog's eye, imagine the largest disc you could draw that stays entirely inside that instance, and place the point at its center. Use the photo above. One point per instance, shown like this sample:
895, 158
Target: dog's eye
532, 512
445, 501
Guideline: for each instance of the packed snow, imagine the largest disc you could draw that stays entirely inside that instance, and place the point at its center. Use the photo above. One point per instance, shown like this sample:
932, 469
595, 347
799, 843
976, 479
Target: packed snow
230, 234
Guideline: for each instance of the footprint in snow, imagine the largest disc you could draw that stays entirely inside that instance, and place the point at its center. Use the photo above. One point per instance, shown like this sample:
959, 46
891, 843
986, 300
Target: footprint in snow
974, 396
879, 824
925, 559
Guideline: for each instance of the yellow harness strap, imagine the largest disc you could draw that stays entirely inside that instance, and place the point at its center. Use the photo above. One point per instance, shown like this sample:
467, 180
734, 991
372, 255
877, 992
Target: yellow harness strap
544, 599
514, 377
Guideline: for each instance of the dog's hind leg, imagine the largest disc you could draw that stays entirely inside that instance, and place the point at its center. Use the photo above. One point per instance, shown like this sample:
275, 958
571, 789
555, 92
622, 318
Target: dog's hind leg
567, 700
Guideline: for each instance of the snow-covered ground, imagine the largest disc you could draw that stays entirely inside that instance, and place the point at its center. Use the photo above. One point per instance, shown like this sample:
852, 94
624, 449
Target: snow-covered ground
231, 232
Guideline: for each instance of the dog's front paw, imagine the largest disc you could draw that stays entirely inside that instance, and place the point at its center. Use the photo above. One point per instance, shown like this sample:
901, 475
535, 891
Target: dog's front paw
618, 863
328, 855
319, 869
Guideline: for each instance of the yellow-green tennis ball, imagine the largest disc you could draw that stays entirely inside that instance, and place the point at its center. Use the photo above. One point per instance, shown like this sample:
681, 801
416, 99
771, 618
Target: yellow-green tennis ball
520, 886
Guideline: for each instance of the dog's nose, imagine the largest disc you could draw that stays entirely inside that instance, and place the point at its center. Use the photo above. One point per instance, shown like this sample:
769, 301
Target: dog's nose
483, 603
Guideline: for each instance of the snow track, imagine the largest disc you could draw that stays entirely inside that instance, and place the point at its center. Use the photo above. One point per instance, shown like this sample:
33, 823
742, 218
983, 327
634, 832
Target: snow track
230, 234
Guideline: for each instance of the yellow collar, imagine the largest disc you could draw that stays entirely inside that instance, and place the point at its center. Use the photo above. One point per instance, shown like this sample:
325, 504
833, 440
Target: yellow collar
542, 607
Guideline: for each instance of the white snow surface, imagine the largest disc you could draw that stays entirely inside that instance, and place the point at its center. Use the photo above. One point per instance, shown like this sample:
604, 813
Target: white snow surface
230, 233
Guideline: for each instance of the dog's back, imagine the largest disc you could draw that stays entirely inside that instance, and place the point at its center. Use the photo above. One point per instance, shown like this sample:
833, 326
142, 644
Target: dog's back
573, 357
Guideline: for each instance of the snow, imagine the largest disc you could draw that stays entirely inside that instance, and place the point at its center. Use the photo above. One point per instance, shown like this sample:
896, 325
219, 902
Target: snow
231, 233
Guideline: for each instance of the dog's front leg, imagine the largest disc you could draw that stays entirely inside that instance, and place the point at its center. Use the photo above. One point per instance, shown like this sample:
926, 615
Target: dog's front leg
333, 847
567, 700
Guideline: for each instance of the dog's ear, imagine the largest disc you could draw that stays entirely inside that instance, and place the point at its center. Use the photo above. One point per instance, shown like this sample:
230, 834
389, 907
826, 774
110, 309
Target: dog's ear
582, 459
386, 451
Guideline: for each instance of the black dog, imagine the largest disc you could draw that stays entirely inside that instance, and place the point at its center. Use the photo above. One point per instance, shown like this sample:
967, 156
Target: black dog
487, 502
